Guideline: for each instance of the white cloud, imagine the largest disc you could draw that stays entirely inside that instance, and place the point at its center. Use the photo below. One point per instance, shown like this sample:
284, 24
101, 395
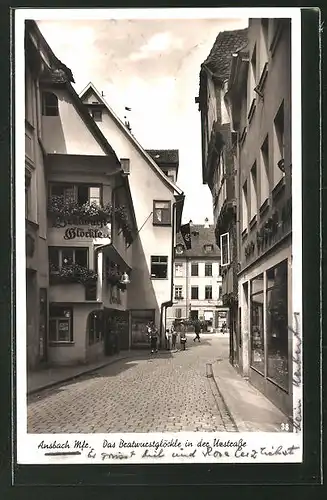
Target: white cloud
158, 43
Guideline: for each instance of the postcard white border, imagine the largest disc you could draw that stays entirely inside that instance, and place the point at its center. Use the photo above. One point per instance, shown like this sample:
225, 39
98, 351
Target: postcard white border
28, 450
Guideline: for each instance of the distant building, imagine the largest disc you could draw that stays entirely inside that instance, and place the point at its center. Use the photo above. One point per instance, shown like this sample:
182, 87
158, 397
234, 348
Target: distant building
259, 99
197, 280
219, 166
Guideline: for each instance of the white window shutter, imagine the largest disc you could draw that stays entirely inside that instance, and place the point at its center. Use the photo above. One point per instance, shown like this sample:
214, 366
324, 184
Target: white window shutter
224, 249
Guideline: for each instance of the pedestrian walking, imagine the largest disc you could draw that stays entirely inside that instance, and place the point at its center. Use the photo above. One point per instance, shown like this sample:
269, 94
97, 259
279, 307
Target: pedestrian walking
153, 336
197, 330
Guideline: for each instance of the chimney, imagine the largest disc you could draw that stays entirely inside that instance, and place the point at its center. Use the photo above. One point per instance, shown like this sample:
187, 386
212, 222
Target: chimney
206, 223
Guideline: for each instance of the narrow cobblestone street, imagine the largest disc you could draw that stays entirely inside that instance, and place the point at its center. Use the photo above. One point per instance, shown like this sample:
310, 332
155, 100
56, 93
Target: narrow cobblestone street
165, 392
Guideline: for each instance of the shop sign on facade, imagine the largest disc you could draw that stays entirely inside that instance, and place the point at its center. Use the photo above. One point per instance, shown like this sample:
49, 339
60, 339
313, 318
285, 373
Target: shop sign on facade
77, 232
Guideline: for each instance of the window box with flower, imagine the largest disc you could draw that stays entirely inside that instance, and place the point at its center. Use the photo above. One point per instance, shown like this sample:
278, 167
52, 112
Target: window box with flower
73, 273
71, 212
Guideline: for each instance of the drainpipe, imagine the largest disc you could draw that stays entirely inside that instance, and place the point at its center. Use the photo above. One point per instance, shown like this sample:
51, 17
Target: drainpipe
187, 288
169, 303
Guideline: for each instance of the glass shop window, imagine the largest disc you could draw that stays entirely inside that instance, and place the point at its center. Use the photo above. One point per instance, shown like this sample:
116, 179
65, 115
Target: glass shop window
257, 324
277, 325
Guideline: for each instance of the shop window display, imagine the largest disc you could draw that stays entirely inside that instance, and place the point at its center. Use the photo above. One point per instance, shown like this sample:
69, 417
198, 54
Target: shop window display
277, 325
257, 324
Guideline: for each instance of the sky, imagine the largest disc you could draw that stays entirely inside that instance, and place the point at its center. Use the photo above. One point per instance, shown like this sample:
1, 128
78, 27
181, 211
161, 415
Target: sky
151, 66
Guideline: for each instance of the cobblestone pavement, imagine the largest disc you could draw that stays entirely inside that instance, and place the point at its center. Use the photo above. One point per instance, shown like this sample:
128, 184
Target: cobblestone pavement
165, 392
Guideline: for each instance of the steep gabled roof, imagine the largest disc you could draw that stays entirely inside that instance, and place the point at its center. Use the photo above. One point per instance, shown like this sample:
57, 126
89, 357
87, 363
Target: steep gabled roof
164, 155
220, 56
203, 236
62, 75
90, 87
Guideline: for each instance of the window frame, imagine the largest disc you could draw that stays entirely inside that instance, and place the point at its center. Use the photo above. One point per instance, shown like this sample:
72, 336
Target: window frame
179, 265
206, 289
264, 167
46, 106
57, 319
28, 193
222, 263
60, 249
193, 264
178, 292
195, 288
98, 335
164, 263
206, 265
74, 188
94, 112
155, 220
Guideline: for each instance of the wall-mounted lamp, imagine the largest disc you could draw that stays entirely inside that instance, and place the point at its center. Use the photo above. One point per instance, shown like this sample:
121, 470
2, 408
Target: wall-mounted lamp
125, 279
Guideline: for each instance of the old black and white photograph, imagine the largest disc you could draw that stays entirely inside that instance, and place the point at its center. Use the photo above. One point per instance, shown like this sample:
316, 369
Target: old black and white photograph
159, 288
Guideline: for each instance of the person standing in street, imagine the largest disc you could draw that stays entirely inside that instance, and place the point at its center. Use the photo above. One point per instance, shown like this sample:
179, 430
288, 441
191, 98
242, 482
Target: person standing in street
183, 340
173, 337
197, 330
153, 336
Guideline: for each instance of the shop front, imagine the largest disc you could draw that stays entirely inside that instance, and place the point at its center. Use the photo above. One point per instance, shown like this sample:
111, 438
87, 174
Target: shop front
268, 300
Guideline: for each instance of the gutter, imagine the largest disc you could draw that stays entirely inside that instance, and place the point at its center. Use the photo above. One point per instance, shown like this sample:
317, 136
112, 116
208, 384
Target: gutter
169, 303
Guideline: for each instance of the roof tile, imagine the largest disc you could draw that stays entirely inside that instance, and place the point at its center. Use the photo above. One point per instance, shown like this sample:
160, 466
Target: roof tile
227, 42
206, 236
165, 155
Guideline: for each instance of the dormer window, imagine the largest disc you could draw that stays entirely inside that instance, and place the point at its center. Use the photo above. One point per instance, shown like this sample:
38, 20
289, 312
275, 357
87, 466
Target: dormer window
96, 115
208, 248
49, 104
179, 249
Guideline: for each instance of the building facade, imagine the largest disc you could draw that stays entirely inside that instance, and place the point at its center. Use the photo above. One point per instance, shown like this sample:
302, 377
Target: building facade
78, 204
100, 231
158, 204
197, 281
259, 100
37, 278
219, 167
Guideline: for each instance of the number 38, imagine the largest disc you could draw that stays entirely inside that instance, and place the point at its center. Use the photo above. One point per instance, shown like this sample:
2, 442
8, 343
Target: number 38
285, 427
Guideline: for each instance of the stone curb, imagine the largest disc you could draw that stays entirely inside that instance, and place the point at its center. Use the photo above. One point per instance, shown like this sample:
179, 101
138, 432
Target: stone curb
243, 420
235, 421
76, 375
235, 417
